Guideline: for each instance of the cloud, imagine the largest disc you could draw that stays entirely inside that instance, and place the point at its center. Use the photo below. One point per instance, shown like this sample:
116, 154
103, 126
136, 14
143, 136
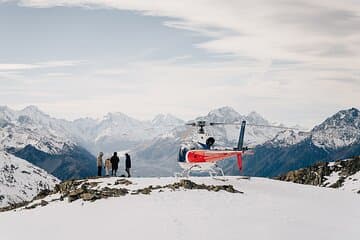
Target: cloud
38, 65
288, 57
16, 66
296, 29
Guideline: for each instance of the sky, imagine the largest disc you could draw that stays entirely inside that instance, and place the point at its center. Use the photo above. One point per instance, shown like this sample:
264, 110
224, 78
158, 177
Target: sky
292, 61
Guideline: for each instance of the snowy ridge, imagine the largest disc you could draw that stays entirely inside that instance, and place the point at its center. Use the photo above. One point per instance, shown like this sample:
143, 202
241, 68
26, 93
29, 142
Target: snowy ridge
289, 137
267, 209
30, 126
21, 181
340, 130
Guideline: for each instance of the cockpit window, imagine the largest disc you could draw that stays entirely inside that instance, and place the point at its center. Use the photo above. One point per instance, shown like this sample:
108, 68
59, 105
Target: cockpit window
182, 154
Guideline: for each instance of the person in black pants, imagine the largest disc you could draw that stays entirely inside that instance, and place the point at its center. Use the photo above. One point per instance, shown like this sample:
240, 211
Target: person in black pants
114, 164
127, 163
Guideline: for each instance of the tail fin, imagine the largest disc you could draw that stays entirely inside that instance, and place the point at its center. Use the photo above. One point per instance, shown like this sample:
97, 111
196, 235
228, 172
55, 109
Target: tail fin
239, 160
241, 136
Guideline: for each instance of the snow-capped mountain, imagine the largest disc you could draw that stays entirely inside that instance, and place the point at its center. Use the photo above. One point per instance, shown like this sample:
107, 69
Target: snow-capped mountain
44, 141
338, 137
117, 131
32, 127
227, 135
340, 130
21, 181
59, 146
158, 157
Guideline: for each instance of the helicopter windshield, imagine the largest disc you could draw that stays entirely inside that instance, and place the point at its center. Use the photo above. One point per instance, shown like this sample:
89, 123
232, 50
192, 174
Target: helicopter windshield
182, 154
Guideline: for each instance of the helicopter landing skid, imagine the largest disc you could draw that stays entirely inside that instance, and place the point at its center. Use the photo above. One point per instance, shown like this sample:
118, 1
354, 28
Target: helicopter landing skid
213, 171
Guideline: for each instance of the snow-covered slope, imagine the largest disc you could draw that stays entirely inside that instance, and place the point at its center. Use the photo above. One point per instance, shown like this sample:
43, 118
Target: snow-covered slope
267, 209
21, 181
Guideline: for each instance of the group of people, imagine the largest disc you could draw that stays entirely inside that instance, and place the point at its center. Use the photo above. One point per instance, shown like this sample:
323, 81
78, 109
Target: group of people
112, 164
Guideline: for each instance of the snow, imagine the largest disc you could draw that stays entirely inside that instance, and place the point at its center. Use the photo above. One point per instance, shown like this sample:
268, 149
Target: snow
21, 181
289, 137
268, 209
352, 183
349, 183
333, 178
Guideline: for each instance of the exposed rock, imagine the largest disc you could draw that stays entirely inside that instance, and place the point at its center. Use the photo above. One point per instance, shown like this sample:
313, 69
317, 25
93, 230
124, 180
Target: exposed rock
123, 181
318, 174
42, 194
89, 191
187, 184
43, 203
88, 196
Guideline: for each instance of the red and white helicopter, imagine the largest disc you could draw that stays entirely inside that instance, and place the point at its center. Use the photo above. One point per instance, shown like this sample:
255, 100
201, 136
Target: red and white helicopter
201, 156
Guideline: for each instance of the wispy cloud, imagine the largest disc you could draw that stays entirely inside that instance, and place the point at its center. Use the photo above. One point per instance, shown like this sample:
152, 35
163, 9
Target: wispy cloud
299, 30
38, 65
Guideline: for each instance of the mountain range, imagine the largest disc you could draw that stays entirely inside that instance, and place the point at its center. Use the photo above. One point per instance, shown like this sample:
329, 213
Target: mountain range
67, 149
338, 137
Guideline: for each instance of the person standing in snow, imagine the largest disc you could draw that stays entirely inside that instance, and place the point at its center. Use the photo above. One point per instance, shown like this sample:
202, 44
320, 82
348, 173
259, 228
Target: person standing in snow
127, 163
107, 166
114, 164
99, 163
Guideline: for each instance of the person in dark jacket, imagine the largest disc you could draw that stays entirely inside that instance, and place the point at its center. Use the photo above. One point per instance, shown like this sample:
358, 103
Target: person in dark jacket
114, 164
127, 163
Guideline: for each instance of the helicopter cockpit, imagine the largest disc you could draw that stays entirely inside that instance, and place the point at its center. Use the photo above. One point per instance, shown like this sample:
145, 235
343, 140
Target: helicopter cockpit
194, 146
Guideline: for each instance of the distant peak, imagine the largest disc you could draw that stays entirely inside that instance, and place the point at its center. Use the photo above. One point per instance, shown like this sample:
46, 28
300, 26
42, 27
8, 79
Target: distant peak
254, 114
347, 117
256, 118
119, 116
31, 108
166, 119
224, 109
2, 108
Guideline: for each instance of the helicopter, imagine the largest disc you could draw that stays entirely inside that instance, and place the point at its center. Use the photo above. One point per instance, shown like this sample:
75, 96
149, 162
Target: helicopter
201, 156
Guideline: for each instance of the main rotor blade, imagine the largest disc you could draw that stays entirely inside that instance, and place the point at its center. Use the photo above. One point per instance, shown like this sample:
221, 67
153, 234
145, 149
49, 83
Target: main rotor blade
216, 123
255, 125
272, 126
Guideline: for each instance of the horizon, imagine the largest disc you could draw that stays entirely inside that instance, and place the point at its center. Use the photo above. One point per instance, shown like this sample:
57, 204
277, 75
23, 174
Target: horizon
82, 58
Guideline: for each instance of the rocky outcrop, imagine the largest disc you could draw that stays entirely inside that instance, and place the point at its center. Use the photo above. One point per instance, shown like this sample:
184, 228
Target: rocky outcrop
332, 174
95, 189
189, 185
